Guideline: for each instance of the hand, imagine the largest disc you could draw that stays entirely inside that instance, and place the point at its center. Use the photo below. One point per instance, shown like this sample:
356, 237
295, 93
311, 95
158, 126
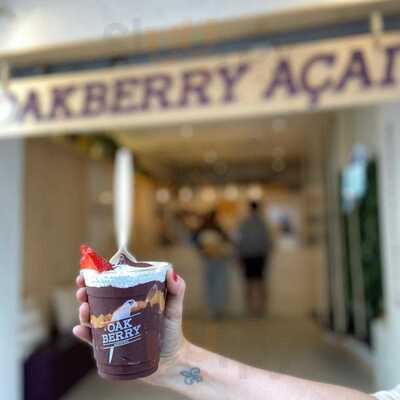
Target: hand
172, 340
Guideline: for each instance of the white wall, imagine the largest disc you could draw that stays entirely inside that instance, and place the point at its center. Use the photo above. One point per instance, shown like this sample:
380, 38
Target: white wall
315, 210
55, 219
41, 23
387, 330
11, 250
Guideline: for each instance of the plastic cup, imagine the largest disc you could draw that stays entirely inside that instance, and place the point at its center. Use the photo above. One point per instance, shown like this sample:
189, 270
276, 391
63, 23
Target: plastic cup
126, 328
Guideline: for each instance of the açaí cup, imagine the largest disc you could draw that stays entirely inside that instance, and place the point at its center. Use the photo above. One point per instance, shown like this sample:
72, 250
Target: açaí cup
126, 311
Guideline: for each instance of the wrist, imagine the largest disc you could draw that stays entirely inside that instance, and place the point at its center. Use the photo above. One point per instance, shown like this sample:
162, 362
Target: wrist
168, 366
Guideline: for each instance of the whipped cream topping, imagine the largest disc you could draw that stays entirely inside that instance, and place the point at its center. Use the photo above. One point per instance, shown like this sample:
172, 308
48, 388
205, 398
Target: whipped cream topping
125, 276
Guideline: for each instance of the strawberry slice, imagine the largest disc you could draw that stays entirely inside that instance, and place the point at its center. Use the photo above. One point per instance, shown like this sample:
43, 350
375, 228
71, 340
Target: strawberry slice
87, 262
84, 248
91, 260
101, 264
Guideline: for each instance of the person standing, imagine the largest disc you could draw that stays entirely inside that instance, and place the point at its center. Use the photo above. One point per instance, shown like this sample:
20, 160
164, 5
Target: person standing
213, 244
255, 246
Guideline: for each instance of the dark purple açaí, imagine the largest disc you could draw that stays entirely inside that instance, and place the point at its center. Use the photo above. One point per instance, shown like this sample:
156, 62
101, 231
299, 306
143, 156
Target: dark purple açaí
127, 306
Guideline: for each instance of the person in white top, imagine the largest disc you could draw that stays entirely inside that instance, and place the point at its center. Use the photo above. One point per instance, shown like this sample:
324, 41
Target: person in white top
393, 395
202, 375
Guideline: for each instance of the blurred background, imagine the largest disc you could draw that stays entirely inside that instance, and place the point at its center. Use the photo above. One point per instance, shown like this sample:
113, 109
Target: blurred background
276, 121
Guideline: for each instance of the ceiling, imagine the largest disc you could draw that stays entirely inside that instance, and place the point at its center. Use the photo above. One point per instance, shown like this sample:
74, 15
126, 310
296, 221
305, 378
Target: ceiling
104, 29
264, 149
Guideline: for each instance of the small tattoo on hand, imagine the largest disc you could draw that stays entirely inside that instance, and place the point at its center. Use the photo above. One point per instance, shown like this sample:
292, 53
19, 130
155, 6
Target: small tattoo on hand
192, 375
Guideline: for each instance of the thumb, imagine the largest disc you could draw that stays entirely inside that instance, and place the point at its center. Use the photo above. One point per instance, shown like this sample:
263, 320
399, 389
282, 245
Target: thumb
176, 292
172, 327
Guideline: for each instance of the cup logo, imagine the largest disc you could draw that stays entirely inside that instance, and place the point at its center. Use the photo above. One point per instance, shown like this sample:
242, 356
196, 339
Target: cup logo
120, 331
119, 328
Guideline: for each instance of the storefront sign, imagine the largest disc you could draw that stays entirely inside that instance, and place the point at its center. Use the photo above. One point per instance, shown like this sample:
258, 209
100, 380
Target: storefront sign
323, 75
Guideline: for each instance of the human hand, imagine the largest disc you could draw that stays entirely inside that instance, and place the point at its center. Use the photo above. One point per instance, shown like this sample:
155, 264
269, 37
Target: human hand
172, 340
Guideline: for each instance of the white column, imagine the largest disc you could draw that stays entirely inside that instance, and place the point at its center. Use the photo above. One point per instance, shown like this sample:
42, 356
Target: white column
390, 200
387, 330
11, 248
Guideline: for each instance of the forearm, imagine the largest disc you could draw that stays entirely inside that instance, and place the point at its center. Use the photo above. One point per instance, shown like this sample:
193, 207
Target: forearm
202, 375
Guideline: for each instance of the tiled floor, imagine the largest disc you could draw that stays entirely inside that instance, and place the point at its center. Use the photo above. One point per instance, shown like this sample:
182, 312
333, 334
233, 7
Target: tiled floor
291, 345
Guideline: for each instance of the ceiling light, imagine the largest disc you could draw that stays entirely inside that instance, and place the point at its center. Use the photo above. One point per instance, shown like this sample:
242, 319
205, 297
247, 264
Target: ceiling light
231, 192
163, 196
255, 192
208, 195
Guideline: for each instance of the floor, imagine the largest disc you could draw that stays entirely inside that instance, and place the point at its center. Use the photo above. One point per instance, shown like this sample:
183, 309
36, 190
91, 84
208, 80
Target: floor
292, 345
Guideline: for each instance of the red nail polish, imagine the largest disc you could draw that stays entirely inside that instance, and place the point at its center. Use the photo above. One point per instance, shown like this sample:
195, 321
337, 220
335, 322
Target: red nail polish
174, 276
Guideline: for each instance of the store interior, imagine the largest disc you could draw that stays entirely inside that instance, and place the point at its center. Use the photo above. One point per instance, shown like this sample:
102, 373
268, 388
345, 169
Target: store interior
293, 166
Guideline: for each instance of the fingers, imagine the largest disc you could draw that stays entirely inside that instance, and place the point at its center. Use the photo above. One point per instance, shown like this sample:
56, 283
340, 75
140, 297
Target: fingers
81, 295
83, 333
173, 282
80, 281
172, 338
84, 314
176, 291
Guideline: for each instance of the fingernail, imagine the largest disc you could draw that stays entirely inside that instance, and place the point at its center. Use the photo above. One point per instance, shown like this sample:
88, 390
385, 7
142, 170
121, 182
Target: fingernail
174, 276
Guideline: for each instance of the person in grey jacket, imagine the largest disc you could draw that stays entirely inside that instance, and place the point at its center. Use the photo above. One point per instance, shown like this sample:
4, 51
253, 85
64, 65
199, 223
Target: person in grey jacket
254, 245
